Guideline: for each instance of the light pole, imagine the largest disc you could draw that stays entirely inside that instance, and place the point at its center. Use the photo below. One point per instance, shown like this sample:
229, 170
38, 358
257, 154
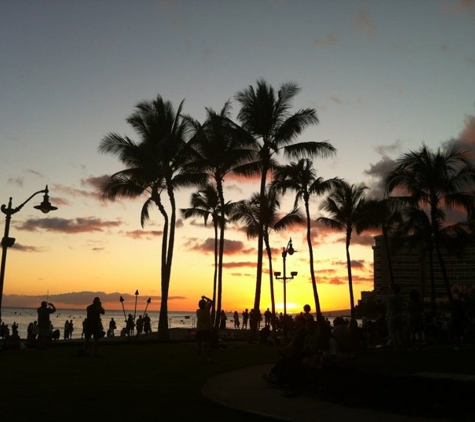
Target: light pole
289, 249
7, 241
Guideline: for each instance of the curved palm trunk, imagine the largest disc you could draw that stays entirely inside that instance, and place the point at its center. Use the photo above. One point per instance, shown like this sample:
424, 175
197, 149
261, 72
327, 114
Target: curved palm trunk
350, 276
163, 316
260, 247
222, 223
163, 332
271, 279
432, 280
435, 233
312, 271
215, 275
444, 271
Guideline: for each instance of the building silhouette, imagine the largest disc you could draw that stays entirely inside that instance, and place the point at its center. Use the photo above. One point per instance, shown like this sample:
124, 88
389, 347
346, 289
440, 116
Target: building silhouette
411, 270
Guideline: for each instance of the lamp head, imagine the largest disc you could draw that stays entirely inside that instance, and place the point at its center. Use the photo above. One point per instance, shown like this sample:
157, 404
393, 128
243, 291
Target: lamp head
277, 273
290, 248
293, 273
45, 207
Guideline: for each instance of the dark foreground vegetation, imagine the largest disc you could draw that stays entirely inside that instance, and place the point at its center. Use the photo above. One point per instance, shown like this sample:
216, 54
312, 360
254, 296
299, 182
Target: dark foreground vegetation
147, 381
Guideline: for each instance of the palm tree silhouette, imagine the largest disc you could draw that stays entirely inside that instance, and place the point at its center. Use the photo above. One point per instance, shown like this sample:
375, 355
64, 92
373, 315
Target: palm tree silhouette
219, 147
265, 115
153, 166
344, 206
251, 211
301, 178
438, 182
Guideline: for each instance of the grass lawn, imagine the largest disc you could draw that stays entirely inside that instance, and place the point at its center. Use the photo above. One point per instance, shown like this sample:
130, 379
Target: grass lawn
141, 381
129, 382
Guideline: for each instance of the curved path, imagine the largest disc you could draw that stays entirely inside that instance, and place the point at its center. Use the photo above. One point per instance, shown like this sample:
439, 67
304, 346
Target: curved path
246, 390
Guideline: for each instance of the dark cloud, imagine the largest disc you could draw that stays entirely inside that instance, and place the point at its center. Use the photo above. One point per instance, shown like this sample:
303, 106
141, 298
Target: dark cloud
239, 264
79, 299
377, 173
336, 281
230, 246
18, 181
360, 263
144, 234
364, 240
62, 225
25, 248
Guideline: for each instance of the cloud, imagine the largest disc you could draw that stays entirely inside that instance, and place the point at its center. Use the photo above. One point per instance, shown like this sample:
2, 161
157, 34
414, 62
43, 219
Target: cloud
364, 240
75, 299
466, 138
366, 25
207, 246
380, 169
468, 133
24, 248
242, 264
18, 181
144, 234
336, 281
465, 8
62, 225
329, 40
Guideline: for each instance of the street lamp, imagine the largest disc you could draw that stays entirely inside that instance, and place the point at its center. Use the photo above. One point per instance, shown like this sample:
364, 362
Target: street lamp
7, 241
289, 249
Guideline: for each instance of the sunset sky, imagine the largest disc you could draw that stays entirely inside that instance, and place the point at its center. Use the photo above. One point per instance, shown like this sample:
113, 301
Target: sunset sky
384, 76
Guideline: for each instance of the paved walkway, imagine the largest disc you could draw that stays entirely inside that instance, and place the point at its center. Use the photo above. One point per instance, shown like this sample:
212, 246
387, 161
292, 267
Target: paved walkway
246, 390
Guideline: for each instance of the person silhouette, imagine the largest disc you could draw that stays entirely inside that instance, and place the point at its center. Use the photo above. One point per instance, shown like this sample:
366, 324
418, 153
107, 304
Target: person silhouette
93, 326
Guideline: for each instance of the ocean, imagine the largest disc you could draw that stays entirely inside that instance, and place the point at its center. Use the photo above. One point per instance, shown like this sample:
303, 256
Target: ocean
183, 319
23, 317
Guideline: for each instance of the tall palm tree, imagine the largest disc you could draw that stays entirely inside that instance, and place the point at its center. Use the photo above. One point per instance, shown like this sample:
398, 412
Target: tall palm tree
265, 114
250, 213
344, 206
384, 214
439, 181
301, 178
205, 204
153, 166
218, 147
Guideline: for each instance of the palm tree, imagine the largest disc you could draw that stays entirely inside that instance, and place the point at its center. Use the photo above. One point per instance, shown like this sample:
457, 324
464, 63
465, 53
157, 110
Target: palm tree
438, 181
153, 166
250, 213
385, 214
415, 230
344, 205
205, 204
218, 147
265, 114
301, 178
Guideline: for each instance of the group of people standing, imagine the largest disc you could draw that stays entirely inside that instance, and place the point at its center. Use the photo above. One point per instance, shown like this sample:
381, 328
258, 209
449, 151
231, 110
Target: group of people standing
141, 325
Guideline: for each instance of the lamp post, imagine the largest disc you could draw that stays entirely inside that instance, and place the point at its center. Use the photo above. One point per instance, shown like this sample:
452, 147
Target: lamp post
7, 241
289, 249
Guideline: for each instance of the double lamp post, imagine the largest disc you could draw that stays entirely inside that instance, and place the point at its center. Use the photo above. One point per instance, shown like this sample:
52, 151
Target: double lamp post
7, 241
289, 249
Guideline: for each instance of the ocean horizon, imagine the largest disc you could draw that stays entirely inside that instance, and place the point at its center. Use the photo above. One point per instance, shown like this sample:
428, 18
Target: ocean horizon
176, 319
